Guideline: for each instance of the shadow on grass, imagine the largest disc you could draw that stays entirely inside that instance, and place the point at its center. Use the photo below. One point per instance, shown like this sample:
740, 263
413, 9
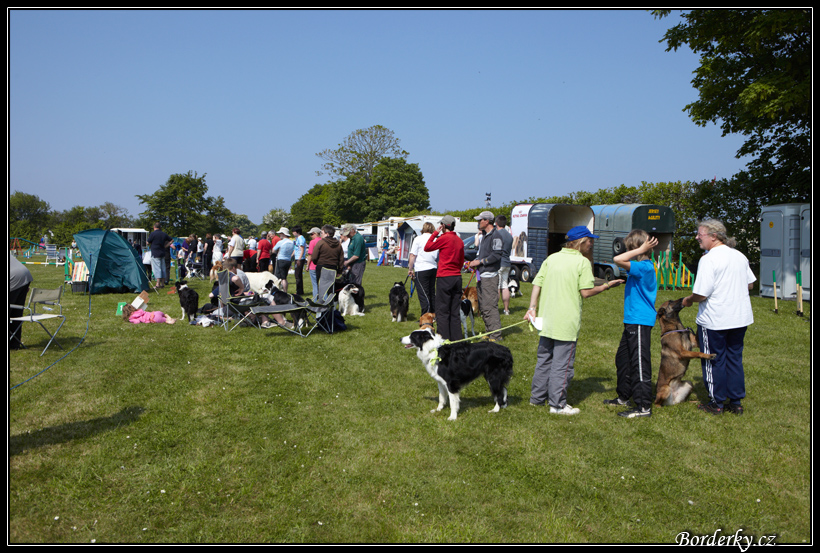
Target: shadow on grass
66, 432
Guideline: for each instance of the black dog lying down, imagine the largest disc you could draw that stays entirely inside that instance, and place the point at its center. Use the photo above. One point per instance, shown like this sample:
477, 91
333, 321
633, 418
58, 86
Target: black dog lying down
453, 366
299, 316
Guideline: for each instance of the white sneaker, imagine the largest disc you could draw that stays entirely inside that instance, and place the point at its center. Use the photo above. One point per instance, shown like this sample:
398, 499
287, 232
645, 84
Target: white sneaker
566, 410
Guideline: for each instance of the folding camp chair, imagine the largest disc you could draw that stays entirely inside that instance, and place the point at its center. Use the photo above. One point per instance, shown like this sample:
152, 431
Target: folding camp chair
42, 298
51, 254
321, 310
296, 307
194, 268
236, 307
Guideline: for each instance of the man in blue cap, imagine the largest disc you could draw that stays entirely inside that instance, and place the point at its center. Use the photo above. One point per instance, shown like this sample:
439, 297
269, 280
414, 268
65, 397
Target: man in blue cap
566, 279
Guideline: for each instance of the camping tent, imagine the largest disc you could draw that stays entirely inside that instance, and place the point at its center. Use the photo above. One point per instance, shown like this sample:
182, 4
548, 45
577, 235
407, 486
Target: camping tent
112, 262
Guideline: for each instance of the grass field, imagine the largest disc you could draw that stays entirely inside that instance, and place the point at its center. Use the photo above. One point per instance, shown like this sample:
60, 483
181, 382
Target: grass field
183, 434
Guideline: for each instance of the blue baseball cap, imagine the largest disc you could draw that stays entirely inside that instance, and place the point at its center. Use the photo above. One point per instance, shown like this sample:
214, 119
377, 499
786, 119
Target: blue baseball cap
578, 232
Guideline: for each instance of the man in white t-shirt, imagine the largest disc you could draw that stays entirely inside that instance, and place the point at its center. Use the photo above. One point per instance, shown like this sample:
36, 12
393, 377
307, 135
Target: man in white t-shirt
721, 289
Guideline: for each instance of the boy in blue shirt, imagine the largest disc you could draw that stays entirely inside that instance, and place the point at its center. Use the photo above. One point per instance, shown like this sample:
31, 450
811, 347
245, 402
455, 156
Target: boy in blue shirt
633, 360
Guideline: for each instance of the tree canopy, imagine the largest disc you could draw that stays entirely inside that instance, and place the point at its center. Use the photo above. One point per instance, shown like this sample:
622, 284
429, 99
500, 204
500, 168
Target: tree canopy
182, 207
360, 152
754, 79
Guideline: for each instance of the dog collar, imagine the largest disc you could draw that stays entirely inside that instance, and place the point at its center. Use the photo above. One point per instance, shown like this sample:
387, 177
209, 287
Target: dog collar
687, 329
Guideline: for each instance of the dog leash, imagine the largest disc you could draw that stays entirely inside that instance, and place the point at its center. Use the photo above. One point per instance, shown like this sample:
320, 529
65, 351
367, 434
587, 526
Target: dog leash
449, 342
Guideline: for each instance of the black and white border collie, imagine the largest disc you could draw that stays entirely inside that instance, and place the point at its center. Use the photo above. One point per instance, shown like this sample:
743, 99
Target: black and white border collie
514, 288
453, 366
399, 302
351, 300
188, 299
271, 291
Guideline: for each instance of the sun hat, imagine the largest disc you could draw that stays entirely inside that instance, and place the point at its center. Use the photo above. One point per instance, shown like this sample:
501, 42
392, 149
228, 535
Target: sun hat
284, 231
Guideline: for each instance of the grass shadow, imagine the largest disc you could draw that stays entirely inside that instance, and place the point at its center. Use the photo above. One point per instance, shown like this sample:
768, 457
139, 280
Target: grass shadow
66, 432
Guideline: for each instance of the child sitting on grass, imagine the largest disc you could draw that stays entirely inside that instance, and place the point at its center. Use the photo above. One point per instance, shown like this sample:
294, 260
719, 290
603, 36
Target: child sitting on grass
133, 315
633, 360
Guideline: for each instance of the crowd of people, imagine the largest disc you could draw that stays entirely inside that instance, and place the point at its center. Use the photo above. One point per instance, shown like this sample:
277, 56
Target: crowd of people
436, 262
564, 280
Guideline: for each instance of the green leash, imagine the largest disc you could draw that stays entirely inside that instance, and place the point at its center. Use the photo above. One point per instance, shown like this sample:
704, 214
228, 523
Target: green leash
476, 337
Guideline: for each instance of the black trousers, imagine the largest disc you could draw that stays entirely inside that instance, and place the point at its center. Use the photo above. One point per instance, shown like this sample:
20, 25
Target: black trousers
297, 273
448, 302
16, 297
425, 282
633, 364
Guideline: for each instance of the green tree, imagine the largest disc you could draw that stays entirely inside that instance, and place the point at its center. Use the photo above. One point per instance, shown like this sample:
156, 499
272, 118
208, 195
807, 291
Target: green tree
29, 216
395, 188
182, 207
246, 227
754, 79
360, 152
310, 209
276, 218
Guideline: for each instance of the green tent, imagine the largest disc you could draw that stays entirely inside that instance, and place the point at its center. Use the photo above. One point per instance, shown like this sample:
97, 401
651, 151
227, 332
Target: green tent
112, 262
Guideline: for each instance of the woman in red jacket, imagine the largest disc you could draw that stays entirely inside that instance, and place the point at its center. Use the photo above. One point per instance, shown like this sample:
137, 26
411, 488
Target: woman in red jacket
448, 277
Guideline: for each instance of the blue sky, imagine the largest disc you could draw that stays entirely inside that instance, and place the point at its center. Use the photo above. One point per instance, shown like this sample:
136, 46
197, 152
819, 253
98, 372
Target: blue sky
104, 105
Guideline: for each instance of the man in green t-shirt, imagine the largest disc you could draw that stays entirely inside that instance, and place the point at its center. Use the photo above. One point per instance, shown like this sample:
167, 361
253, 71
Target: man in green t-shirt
356, 254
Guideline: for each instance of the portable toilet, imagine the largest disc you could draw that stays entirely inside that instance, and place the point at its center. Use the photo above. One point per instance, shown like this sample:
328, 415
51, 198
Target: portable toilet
780, 249
614, 222
805, 250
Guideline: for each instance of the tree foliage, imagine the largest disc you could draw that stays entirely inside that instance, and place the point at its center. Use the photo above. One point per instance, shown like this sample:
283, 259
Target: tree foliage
182, 207
276, 218
754, 79
395, 188
32, 218
310, 209
29, 216
360, 152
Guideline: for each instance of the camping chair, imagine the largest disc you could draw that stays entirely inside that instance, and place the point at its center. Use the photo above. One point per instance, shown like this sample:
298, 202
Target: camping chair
295, 307
43, 298
237, 307
320, 312
79, 277
51, 254
194, 268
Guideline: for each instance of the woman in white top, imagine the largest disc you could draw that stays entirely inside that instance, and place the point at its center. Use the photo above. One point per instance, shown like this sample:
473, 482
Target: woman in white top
217, 248
721, 289
422, 269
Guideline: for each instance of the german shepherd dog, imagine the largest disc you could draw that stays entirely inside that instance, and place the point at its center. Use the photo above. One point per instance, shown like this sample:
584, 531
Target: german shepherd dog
676, 352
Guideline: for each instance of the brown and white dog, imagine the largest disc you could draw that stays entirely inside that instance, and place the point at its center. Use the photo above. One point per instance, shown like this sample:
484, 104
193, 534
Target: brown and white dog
469, 307
215, 270
677, 342
428, 320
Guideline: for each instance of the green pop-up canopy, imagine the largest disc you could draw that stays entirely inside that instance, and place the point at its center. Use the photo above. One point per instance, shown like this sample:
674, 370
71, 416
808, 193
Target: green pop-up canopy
112, 262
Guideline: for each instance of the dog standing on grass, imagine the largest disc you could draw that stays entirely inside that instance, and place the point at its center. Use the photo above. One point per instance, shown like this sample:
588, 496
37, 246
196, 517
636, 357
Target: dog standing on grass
399, 302
188, 300
468, 308
455, 365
